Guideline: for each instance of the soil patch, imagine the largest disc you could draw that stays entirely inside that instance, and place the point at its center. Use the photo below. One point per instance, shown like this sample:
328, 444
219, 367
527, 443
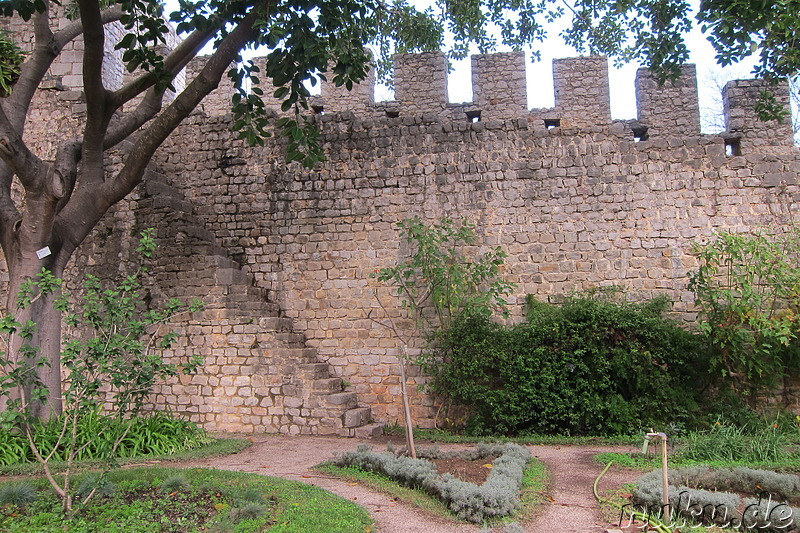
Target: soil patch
476, 471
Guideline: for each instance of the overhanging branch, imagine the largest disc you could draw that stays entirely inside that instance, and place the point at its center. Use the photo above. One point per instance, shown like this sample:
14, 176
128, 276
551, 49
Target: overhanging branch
90, 201
173, 64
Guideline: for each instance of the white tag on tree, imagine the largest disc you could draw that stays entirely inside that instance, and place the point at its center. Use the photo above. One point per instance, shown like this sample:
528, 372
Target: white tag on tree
44, 252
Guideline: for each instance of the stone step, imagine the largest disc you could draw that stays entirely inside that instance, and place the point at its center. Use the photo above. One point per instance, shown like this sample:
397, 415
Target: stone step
368, 431
315, 370
328, 385
251, 308
171, 203
231, 276
303, 354
275, 323
290, 338
347, 400
158, 187
222, 260
357, 417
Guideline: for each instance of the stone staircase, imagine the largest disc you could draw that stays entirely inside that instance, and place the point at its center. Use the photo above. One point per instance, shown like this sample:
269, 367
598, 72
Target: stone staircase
281, 385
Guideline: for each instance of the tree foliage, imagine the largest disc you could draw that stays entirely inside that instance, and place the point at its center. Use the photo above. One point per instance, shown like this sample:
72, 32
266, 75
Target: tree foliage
442, 274
747, 291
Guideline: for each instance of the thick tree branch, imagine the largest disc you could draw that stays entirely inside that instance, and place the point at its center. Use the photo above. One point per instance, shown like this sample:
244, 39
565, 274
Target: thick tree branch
18, 157
97, 114
47, 47
75, 28
65, 172
175, 61
121, 128
90, 201
8, 211
41, 25
205, 82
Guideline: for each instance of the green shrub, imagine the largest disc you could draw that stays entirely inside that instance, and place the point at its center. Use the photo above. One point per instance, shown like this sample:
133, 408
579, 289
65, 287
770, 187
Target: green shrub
747, 291
588, 366
156, 434
498, 496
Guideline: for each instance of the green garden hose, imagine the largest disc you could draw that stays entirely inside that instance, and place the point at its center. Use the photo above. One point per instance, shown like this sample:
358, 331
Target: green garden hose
650, 520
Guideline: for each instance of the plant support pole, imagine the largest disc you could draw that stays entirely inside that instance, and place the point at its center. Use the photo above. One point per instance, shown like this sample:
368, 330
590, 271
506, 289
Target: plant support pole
412, 449
664, 470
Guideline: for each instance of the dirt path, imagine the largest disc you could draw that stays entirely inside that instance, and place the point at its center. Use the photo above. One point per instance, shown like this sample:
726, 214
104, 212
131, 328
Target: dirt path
573, 508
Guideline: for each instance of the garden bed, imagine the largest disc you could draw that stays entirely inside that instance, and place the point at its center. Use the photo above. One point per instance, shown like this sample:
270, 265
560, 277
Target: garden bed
497, 496
164, 500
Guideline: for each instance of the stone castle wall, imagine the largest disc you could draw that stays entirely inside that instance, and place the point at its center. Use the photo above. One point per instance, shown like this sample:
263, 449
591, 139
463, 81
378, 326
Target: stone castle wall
283, 255
583, 204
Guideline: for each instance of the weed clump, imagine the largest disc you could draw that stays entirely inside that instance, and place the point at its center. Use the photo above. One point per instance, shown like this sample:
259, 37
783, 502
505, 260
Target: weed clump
98, 484
175, 483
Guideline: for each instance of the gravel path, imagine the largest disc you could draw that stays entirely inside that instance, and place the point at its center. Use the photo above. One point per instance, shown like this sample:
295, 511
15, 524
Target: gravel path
572, 509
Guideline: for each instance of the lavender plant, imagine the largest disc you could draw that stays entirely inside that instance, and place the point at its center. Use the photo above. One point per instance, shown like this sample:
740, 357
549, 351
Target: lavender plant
497, 497
701, 494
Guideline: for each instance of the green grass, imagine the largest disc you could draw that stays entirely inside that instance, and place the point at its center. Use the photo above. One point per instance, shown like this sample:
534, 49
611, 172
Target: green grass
535, 484
386, 485
230, 501
440, 435
532, 492
771, 448
648, 462
215, 448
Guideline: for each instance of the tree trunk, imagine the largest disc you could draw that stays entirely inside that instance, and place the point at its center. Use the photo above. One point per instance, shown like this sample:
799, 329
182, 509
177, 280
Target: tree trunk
47, 337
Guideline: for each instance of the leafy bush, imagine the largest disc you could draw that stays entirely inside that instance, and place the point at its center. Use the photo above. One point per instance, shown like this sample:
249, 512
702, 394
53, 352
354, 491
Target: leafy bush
11, 57
498, 496
588, 366
115, 341
747, 291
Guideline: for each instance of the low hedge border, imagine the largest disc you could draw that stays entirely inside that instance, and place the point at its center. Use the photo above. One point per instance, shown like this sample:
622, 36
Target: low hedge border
497, 497
689, 498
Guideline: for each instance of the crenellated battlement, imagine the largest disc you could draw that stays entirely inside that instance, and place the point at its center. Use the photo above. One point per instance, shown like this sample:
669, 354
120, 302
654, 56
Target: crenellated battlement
582, 98
581, 87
